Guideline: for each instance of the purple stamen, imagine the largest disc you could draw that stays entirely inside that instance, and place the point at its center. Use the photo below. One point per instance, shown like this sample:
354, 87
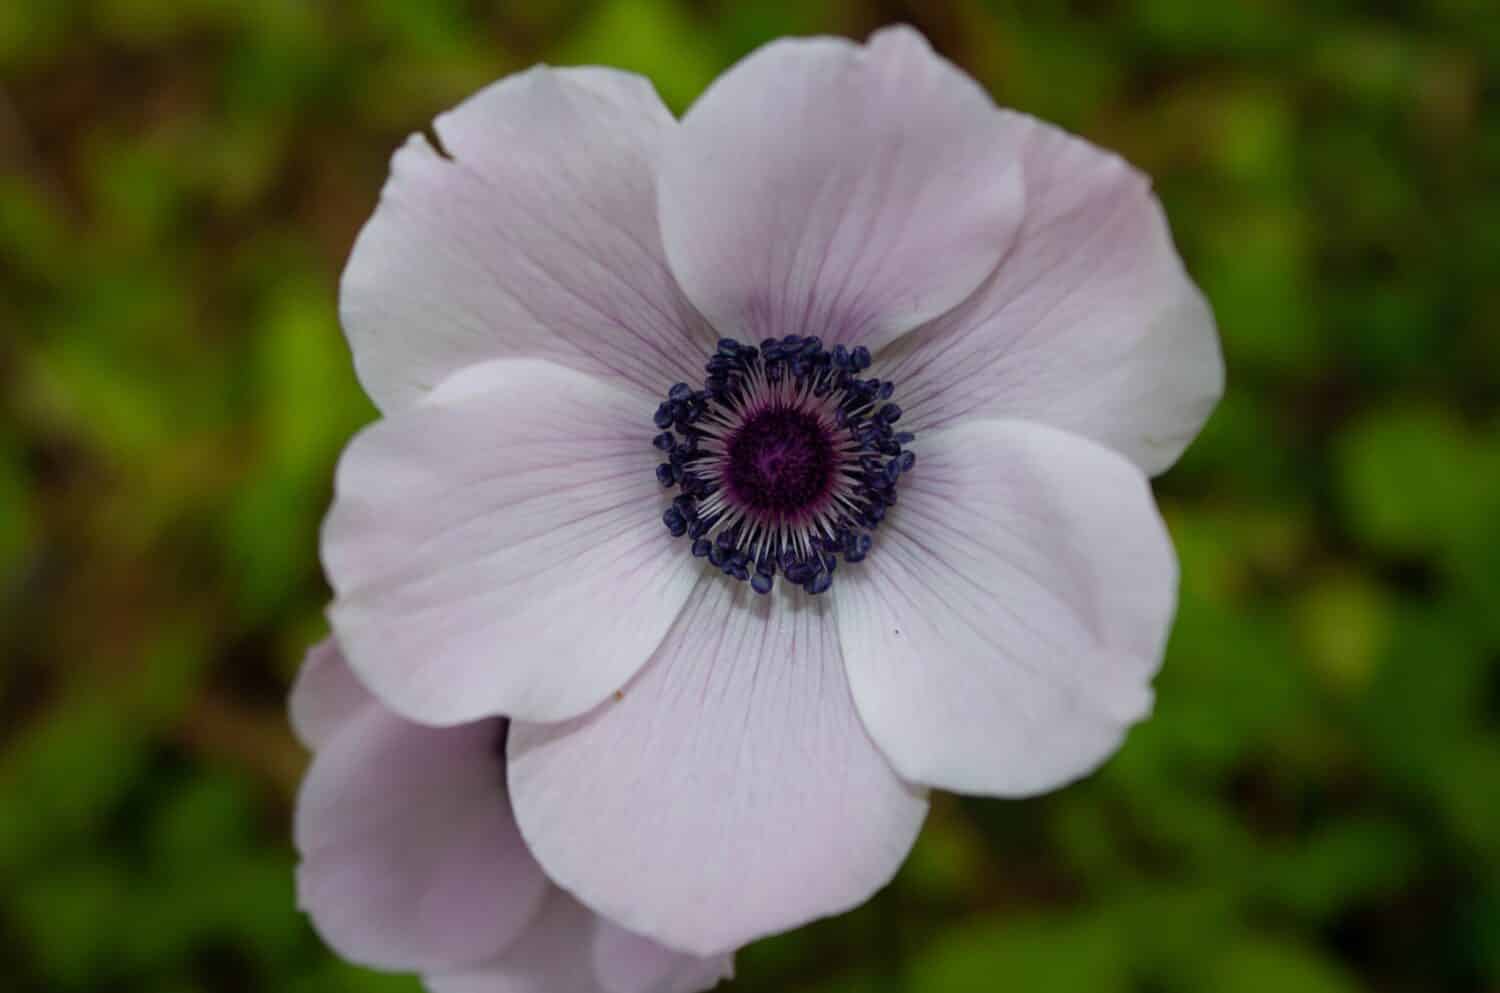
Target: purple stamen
786, 460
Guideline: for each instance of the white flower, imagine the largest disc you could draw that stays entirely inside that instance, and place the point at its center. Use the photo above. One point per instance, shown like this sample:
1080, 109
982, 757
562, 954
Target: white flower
701, 752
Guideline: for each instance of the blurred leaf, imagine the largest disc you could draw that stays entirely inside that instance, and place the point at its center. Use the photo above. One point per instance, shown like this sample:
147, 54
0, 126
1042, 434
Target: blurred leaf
66, 773
1350, 863
1066, 954
1255, 965
1408, 480
1344, 623
656, 38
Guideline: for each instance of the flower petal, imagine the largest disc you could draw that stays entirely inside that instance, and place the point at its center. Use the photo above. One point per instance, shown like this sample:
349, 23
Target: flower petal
824, 188
410, 855
627, 963
729, 792
1090, 324
498, 549
538, 237
1003, 633
570, 949
325, 695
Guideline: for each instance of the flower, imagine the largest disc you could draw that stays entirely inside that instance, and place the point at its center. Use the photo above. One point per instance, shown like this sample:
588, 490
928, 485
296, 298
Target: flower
411, 859
651, 390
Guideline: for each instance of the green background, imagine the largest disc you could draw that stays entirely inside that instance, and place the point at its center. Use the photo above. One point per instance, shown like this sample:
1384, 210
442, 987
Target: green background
1315, 807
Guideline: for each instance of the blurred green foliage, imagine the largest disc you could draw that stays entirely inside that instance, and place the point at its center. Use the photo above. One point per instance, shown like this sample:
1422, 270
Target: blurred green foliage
1315, 807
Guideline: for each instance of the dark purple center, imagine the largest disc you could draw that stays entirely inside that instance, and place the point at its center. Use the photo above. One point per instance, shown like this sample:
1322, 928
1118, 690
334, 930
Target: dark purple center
808, 465
781, 462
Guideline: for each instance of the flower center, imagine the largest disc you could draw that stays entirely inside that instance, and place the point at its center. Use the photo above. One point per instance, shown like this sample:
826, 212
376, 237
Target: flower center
786, 460
780, 462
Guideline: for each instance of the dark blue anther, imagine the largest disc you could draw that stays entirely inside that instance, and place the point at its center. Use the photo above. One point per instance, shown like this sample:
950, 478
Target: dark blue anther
760, 583
680, 392
840, 357
686, 506
702, 547
729, 347
663, 418
892, 471
819, 583
717, 555
674, 521
908, 459
663, 442
904, 437
860, 358
800, 572
890, 413
886, 389
664, 474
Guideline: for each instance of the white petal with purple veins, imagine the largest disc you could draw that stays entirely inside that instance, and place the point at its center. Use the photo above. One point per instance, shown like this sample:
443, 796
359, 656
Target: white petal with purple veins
410, 856
1002, 636
1090, 324
476, 538
536, 235
325, 696
850, 192
730, 792
570, 949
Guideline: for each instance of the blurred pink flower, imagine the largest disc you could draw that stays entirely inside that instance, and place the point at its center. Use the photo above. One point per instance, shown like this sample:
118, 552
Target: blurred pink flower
562, 520
411, 860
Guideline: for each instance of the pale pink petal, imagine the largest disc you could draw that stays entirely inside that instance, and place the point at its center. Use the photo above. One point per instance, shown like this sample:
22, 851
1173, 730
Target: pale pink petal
730, 792
498, 549
534, 235
410, 855
1090, 324
1002, 635
325, 695
824, 188
627, 963
550, 957
570, 949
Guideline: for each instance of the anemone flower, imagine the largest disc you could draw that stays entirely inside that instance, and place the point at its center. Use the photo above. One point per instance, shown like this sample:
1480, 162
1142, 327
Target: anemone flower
650, 391
411, 860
